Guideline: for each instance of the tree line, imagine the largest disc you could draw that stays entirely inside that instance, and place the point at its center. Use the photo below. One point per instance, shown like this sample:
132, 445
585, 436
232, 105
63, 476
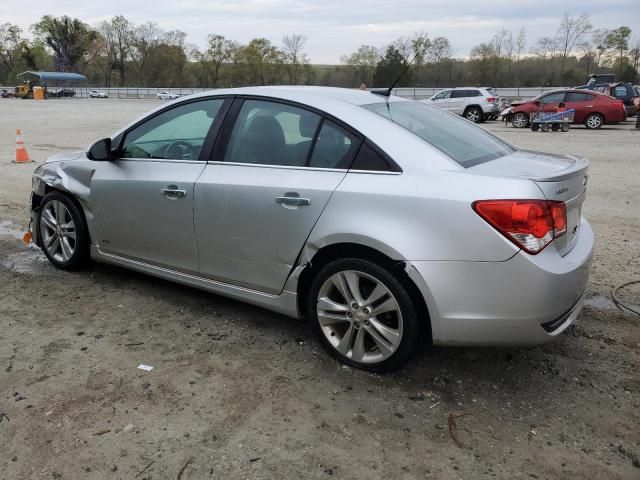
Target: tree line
117, 52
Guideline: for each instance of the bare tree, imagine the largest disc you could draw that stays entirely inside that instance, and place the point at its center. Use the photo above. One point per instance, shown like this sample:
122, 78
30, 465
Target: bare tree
521, 43
569, 32
599, 41
10, 38
294, 56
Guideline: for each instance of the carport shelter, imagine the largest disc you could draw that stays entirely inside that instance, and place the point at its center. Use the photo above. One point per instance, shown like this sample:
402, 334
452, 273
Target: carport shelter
55, 80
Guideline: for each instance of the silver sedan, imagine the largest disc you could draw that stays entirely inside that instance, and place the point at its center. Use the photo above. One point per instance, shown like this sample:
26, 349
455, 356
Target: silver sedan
379, 219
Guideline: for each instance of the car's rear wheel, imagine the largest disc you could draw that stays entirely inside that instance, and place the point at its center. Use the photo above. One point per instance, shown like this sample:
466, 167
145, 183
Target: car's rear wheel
520, 120
64, 237
593, 120
474, 114
363, 315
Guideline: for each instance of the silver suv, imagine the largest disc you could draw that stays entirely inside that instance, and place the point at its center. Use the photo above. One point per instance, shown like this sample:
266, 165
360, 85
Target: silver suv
475, 104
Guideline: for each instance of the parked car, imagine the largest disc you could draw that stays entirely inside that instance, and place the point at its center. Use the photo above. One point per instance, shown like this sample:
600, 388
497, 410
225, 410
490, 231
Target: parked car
5, 93
621, 91
475, 104
593, 109
375, 217
60, 93
98, 94
167, 96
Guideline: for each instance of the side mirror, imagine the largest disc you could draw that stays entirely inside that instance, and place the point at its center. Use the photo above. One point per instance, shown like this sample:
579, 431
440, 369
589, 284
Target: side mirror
101, 150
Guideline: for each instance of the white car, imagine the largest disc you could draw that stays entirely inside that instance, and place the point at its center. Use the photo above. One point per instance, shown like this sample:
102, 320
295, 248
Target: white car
167, 96
98, 94
475, 104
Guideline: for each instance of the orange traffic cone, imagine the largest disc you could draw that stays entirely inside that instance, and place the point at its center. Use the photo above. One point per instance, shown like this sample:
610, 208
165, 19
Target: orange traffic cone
22, 156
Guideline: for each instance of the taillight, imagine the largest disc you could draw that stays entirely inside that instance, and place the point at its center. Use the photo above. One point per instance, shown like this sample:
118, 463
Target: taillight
491, 99
530, 224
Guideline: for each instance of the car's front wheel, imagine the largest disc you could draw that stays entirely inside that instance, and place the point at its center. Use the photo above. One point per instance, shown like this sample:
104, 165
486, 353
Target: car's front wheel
363, 314
64, 237
520, 120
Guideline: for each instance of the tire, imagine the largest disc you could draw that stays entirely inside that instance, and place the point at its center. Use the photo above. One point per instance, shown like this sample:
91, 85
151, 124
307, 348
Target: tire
594, 121
474, 114
565, 127
62, 231
520, 120
545, 127
555, 127
343, 323
535, 127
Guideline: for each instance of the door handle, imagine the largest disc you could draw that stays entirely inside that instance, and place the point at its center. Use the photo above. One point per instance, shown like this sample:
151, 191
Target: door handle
172, 191
293, 199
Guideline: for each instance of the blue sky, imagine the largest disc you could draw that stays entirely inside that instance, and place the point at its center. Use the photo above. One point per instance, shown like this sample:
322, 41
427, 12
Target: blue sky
335, 27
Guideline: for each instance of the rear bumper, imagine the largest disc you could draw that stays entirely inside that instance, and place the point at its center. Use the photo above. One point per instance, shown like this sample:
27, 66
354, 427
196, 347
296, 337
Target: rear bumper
526, 300
490, 108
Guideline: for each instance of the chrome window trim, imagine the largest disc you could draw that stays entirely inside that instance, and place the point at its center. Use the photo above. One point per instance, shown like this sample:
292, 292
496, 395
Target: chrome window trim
294, 167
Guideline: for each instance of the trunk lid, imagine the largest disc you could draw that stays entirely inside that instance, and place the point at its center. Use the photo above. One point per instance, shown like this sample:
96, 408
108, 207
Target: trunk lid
559, 177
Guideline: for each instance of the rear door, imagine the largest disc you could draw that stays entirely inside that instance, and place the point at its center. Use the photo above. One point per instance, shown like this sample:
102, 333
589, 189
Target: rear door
459, 101
143, 201
258, 199
582, 102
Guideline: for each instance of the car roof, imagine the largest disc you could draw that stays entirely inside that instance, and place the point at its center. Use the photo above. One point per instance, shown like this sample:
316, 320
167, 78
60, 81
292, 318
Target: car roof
307, 94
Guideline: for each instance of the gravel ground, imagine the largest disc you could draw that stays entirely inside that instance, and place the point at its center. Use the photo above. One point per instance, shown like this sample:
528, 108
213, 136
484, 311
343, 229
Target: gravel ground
239, 392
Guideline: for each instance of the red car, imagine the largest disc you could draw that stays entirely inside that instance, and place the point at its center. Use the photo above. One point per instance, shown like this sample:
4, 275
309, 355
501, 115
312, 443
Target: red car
593, 109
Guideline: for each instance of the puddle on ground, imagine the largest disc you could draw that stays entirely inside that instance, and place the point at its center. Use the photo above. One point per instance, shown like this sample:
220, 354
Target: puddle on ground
606, 303
8, 229
603, 303
30, 262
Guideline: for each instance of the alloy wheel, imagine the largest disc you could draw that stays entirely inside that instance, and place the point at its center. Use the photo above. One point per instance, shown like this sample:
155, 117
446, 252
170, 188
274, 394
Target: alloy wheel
594, 121
473, 114
58, 231
359, 316
519, 120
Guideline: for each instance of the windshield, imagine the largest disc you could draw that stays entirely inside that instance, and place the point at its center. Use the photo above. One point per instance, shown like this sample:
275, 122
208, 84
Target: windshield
460, 139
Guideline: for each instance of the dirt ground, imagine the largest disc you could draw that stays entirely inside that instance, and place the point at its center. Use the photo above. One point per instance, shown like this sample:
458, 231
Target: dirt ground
239, 392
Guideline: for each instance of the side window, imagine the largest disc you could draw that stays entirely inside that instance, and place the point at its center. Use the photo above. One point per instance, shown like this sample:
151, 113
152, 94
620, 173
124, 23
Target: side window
460, 94
620, 91
553, 98
369, 159
579, 97
443, 95
270, 133
176, 134
334, 148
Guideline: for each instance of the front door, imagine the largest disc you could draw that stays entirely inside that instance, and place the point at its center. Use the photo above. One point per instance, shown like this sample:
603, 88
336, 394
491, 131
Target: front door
143, 201
441, 99
550, 103
257, 203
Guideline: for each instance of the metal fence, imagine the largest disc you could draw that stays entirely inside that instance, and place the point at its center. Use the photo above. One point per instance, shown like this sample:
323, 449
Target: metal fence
416, 92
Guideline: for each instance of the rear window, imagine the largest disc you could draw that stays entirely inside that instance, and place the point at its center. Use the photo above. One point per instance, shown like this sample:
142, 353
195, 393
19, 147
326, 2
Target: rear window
460, 139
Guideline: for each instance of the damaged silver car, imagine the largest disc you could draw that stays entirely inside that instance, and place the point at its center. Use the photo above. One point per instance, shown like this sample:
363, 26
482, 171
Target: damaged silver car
380, 219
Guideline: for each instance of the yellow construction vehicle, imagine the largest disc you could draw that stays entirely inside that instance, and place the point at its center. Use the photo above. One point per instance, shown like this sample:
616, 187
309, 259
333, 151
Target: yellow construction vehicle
26, 89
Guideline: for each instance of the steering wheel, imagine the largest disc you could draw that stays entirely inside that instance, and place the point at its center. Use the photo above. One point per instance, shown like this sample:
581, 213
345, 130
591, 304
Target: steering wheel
179, 150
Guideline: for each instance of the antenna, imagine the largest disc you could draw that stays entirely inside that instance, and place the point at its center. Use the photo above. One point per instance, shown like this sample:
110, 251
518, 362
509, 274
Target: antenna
387, 92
